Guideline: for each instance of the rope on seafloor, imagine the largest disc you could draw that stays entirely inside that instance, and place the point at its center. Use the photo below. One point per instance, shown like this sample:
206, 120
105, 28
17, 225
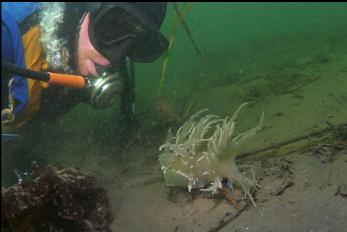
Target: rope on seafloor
316, 133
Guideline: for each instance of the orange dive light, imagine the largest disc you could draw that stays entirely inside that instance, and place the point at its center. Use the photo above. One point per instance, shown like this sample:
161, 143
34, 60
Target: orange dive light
73, 81
103, 91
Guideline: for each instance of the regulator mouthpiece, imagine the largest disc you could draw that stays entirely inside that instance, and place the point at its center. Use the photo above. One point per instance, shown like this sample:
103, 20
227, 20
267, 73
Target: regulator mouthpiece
106, 90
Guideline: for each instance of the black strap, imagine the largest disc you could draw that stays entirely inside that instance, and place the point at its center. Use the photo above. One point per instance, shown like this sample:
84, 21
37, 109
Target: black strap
127, 102
15, 69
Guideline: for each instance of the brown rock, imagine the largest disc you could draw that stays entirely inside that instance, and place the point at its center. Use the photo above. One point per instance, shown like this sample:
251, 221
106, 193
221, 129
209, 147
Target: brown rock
60, 199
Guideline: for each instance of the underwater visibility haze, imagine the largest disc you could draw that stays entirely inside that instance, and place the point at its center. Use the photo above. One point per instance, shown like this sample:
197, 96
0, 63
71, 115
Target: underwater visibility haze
247, 109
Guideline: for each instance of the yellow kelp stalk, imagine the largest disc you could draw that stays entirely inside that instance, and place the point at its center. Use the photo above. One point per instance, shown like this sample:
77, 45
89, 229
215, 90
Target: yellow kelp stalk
177, 20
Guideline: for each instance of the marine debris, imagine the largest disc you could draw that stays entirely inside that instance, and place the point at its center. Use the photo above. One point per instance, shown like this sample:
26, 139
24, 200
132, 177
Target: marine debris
204, 151
59, 199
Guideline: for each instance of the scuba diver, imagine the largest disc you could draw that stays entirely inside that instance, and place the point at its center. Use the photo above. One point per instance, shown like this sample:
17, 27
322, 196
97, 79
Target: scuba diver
58, 54
88, 39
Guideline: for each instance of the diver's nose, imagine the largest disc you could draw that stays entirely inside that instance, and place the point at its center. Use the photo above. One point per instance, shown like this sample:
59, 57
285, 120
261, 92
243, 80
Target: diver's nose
87, 55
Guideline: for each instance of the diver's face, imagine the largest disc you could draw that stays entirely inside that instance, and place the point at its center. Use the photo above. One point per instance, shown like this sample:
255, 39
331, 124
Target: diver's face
87, 55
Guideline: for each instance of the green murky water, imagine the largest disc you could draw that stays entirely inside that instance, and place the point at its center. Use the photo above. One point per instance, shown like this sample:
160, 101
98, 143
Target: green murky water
288, 60
283, 58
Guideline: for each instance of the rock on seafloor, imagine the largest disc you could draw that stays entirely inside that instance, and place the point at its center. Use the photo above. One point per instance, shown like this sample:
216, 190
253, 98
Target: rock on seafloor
58, 199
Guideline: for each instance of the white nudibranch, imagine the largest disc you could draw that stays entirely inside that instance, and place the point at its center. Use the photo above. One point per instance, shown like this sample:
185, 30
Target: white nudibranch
192, 157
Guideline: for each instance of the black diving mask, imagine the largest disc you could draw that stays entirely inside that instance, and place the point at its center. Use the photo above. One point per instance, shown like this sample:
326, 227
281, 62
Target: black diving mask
119, 29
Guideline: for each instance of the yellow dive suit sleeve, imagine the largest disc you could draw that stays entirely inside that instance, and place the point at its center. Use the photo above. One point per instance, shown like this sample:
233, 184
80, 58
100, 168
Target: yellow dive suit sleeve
35, 60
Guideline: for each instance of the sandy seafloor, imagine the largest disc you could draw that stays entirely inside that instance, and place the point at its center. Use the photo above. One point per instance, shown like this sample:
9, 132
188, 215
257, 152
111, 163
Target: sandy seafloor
299, 90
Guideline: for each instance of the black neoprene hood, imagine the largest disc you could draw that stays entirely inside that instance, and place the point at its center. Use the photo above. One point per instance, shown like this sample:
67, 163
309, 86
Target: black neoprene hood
120, 29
